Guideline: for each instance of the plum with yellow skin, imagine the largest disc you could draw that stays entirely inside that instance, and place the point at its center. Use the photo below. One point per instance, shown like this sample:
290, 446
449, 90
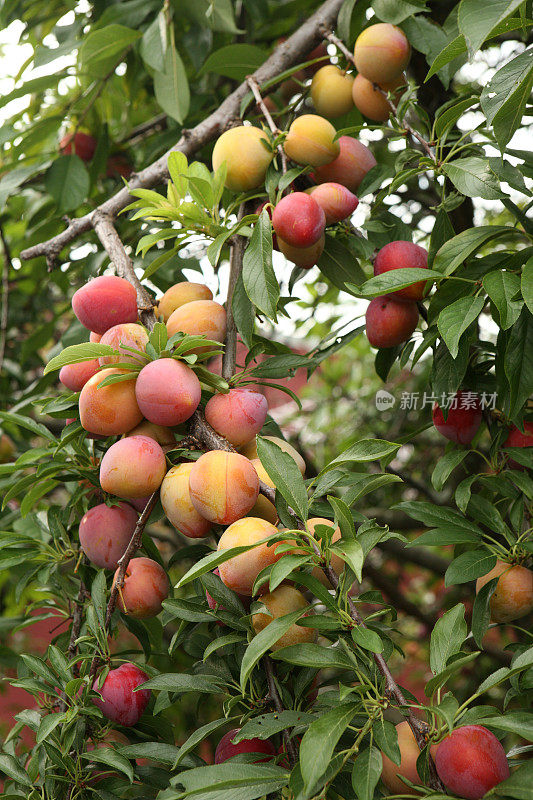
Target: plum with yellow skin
513, 596
199, 318
409, 752
223, 486
177, 505
247, 154
159, 433
133, 467
311, 141
381, 52
238, 415
127, 334
109, 410
145, 587
284, 600
239, 572
179, 294
371, 102
264, 508
350, 166
331, 91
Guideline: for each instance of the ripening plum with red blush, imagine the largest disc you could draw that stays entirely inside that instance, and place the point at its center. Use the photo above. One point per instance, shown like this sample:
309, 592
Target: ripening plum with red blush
298, 220
403, 255
303, 257
223, 486
336, 201
104, 302
390, 322
517, 438
83, 144
167, 391
109, 410
471, 761
105, 532
226, 750
133, 467
119, 701
75, 376
145, 587
463, 420
238, 415
126, 335
350, 166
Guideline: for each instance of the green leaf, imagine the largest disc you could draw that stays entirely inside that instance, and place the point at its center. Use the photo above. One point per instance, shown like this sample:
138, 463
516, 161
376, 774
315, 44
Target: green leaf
171, 87
12, 769
68, 182
235, 61
456, 250
362, 451
456, 318
48, 724
245, 781
154, 44
445, 466
527, 284
181, 683
517, 722
313, 656
481, 611
447, 637
112, 759
366, 773
518, 362
339, 264
394, 280
386, 737
196, 737
264, 640
257, 273
104, 44
286, 476
77, 353
27, 423
469, 566
473, 177
518, 785
266, 725
504, 98
351, 552
452, 668
209, 562
477, 18
367, 639
501, 286
436, 516
320, 740
243, 313
283, 568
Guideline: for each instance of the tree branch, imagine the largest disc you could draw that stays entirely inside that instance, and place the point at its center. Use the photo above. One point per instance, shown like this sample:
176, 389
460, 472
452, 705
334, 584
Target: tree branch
254, 86
8, 263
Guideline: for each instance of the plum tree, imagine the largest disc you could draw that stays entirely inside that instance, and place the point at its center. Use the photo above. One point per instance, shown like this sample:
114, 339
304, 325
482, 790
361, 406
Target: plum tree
133, 467
223, 486
177, 504
75, 376
463, 420
304, 257
104, 302
336, 201
239, 572
381, 52
226, 749
409, 751
284, 600
167, 391
125, 335
120, 699
390, 322
238, 415
371, 101
471, 761
331, 91
298, 220
109, 410
349, 167
403, 255
247, 153
179, 294
311, 141
145, 587
199, 318
513, 596
105, 532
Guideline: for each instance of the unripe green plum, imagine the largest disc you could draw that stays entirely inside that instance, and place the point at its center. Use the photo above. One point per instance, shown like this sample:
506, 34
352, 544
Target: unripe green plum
145, 587
179, 294
382, 52
168, 391
247, 153
331, 91
350, 166
127, 334
513, 596
133, 467
284, 600
223, 486
311, 141
336, 201
104, 302
177, 505
371, 102
390, 322
238, 415
109, 410
298, 220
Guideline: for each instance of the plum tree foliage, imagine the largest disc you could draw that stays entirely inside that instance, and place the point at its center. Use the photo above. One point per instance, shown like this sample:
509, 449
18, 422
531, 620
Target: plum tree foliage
265, 659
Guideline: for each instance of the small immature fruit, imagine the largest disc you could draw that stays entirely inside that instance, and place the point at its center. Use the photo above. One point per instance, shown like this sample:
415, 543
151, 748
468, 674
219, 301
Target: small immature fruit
223, 486
409, 753
331, 91
513, 596
463, 420
181, 293
167, 391
247, 153
390, 322
237, 415
471, 761
127, 334
239, 573
303, 257
381, 52
109, 410
145, 588
104, 302
350, 166
250, 451
371, 102
177, 505
199, 318
133, 467
401, 255
119, 701
83, 145
299, 220
75, 376
311, 141
105, 532
226, 750
163, 436
284, 600
336, 201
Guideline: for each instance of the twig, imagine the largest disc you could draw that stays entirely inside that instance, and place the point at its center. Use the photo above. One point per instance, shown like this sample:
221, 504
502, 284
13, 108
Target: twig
273, 694
8, 263
77, 618
254, 86
229, 359
284, 56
